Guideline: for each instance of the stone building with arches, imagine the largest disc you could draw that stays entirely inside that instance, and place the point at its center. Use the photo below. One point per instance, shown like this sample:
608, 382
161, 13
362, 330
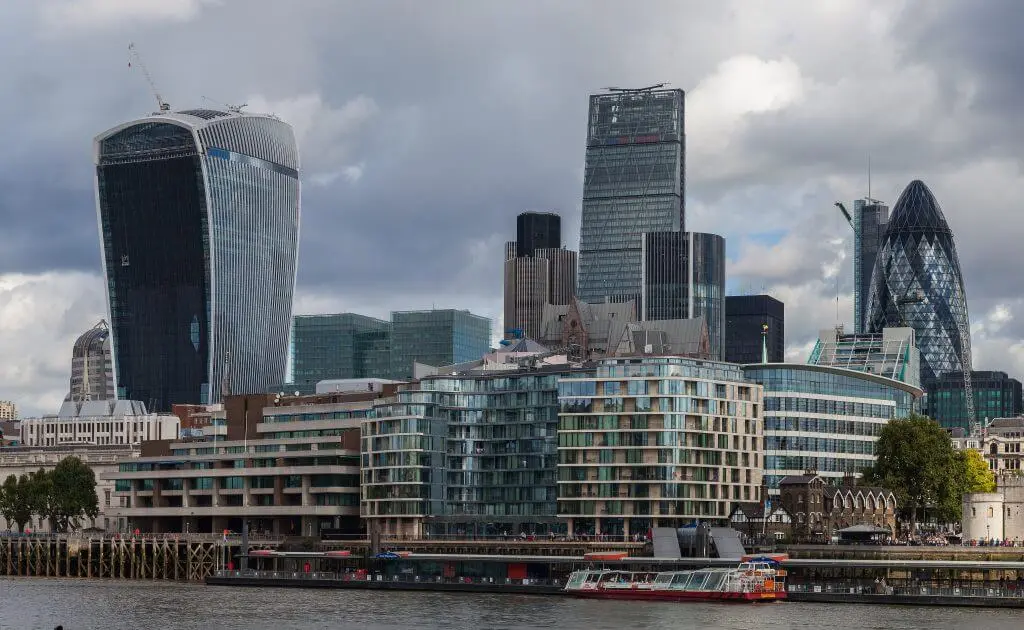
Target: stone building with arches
818, 510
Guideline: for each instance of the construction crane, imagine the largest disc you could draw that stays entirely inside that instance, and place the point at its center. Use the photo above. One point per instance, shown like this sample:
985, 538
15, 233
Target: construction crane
133, 55
643, 89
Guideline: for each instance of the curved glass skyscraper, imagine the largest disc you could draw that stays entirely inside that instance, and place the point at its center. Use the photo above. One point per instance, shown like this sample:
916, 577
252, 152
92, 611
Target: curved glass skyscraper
917, 282
199, 222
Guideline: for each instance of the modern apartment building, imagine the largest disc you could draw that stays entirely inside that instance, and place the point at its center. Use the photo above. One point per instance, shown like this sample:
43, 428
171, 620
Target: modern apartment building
634, 182
825, 419
99, 422
538, 271
470, 453
656, 442
754, 323
338, 346
92, 366
291, 470
198, 219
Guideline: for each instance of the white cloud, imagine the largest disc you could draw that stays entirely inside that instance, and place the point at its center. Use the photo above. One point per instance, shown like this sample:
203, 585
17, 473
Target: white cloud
326, 135
40, 318
87, 14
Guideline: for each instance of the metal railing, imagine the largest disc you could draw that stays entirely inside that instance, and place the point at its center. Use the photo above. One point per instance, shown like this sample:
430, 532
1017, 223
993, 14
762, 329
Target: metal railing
380, 577
880, 590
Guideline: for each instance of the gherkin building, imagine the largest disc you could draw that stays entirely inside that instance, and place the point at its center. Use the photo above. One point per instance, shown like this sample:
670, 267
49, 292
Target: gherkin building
917, 282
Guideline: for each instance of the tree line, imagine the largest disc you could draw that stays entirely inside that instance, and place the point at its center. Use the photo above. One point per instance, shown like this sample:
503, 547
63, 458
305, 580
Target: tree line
64, 496
915, 459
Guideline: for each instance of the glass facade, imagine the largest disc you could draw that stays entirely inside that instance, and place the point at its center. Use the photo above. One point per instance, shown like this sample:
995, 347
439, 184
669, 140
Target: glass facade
869, 219
678, 285
633, 183
824, 420
658, 441
437, 337
917, 283
338, 346
498, 437
996, 395
745, 316
199, 216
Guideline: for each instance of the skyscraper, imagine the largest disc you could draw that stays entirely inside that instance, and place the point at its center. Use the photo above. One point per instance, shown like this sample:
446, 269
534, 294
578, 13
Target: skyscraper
745, 336
869, 219
634, 182
92, 369
684, 277
917, 283
537, 272
199, 222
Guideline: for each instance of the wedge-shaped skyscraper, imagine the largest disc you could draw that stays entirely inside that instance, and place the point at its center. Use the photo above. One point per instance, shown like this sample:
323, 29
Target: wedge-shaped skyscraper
917, 283
199, 222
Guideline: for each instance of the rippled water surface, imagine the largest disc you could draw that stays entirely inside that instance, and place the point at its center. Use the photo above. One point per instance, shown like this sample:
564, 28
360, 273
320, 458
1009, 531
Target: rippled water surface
79, 604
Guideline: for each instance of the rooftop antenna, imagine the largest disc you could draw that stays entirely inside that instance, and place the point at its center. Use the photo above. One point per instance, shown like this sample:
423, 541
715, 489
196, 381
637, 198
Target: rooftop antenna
869, 177
234, 109
133, 55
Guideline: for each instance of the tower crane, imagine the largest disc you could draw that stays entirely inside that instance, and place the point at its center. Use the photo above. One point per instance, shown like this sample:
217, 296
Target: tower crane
133, 55
234, 109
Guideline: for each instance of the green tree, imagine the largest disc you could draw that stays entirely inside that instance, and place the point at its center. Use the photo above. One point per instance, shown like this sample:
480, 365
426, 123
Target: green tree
916, 460
71, 494
16, 507
978, 476
37, 494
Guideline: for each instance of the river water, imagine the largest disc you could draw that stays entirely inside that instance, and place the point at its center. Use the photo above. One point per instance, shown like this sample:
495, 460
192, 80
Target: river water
29, 603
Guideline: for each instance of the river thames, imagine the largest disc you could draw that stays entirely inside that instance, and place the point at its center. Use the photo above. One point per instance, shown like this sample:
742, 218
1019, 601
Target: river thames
28, 603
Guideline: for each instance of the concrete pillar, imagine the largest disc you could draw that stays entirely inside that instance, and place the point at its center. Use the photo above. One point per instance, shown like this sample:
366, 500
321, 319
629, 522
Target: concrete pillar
246, 490
307, 499
625, 529
597, 526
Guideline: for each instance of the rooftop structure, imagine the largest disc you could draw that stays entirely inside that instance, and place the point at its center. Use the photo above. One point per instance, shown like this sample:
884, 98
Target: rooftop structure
891, 353
92, 368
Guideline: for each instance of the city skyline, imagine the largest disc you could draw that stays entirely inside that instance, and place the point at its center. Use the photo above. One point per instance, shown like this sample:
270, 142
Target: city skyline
750, 178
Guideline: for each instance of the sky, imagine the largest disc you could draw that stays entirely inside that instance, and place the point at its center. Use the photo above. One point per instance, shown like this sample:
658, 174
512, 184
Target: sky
425, 127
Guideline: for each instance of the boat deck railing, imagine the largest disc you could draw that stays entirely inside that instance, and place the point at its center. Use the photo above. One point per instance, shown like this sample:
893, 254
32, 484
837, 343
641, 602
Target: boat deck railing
871, 589
379, 577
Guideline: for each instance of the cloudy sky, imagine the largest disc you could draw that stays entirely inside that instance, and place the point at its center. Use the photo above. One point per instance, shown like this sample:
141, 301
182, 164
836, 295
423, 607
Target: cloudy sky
426, 127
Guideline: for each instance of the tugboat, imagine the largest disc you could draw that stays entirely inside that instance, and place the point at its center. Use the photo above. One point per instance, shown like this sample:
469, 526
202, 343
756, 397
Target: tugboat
756, 579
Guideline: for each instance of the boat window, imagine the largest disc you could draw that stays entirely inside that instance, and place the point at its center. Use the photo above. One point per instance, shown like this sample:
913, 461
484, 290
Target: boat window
664, 579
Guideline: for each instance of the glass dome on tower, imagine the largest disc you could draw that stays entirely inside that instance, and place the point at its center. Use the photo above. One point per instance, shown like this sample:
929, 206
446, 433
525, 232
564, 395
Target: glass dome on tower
917, 282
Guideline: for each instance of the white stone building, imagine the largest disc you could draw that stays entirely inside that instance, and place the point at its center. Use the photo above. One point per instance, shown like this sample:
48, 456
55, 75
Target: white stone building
102, 459
99, 422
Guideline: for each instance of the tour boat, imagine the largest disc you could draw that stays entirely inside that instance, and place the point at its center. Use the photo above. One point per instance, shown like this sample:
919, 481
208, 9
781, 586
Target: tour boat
756, 579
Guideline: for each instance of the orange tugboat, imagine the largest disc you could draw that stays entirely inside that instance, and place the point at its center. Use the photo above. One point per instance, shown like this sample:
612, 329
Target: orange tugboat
756, 579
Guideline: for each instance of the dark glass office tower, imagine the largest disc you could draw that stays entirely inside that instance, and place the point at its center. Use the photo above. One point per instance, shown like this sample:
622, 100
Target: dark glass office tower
633, 183
684, 277
745, 318
917, 283
199, 221
996, 395
870, 217
537, 230
538, 271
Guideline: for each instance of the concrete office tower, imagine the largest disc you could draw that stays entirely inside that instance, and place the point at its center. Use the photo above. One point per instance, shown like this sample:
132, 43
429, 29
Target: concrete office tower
538, 271
683, 276
92, 370
634, 182
917, 283
745, 335
870, 217
199, 222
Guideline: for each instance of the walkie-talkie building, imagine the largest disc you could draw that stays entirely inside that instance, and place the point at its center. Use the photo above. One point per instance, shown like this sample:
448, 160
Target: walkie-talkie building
199, 221
633, 183
917, 283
